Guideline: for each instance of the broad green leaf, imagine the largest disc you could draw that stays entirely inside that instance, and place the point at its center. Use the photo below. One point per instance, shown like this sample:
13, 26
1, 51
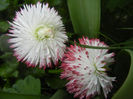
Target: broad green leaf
4, 95
28, 86
61, 94
4, 45
85, 16
9, 65
4, 26
3, 4
125, 92
55, 82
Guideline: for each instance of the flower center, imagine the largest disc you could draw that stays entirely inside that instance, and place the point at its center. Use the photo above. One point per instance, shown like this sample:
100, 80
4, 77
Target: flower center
44, 32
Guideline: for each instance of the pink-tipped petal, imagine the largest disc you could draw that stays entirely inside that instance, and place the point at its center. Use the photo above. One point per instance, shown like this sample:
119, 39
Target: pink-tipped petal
85, 69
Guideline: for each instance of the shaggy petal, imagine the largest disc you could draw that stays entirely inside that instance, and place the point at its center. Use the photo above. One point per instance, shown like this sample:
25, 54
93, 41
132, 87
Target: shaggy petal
85, 69
37, 35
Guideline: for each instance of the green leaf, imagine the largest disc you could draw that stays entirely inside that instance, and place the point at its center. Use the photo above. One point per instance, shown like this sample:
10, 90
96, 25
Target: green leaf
61, 94
85, 16
4, 26
126, 90
4, 45
9, 65
4, 95
55, 82
3, 4
28, 86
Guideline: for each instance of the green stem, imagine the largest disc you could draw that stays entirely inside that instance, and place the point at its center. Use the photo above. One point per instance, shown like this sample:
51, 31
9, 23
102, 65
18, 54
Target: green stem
94, 47
125, 28
107, 38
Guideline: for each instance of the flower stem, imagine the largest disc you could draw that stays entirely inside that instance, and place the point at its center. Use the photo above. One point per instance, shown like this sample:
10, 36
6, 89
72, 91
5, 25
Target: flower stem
95, 47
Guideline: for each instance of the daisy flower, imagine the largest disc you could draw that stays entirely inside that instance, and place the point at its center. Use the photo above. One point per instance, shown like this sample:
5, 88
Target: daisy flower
85, 68
37, 35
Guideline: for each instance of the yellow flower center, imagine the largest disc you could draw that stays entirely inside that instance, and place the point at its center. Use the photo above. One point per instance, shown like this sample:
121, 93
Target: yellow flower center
44, 32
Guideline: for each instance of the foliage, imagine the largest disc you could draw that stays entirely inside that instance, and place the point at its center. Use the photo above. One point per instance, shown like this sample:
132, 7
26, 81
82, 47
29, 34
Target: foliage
55, 82
8, 68
3, 4
123, 93
20, 82
28, 86
86, 20
61, 94
4, 46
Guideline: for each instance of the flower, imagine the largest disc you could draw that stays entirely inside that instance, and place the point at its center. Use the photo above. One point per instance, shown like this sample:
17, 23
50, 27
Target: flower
37, 35
85, 69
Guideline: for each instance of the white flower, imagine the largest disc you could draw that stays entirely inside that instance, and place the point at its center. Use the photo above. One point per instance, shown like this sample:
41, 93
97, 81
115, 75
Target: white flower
85, 69
38, 35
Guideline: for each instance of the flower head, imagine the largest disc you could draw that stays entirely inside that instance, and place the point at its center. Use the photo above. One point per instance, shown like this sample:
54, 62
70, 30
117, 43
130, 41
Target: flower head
85, 69
37, 35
